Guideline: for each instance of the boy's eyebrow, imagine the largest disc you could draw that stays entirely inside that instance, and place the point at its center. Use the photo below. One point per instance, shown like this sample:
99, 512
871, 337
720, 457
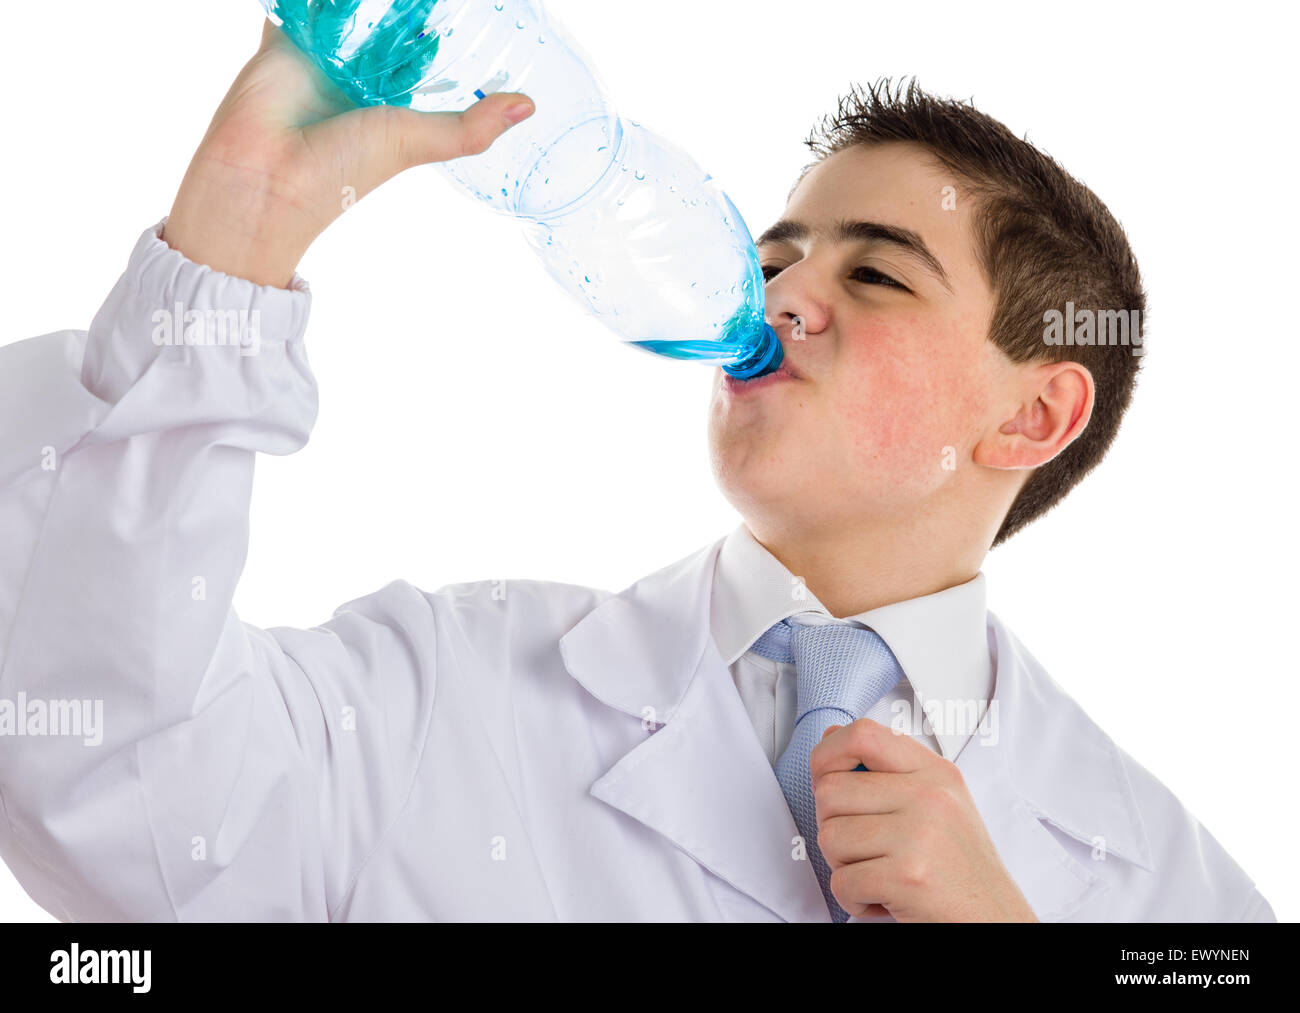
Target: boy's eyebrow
845, 231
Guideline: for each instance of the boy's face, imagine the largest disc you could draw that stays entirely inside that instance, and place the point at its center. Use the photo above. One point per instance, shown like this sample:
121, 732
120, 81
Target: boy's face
885, 378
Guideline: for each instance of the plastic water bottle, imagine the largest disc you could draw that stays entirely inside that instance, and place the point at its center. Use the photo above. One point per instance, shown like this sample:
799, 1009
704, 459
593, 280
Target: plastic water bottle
622, 220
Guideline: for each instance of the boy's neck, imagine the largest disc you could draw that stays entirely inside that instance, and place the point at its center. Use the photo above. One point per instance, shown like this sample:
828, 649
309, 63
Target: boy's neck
873, 565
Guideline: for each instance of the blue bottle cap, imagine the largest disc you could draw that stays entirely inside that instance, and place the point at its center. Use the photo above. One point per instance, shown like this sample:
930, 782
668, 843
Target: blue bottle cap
766, 359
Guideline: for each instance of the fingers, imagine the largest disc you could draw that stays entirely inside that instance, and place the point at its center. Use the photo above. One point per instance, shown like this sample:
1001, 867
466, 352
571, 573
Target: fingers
865, 889
377, 143
847, 839
876, 746
439, 137
844, 792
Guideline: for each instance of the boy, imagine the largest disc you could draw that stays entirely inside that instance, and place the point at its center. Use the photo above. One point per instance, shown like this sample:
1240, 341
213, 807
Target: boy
814, 718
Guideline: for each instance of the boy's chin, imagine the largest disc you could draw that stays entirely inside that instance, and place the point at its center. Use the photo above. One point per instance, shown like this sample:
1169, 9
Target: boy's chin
769, 496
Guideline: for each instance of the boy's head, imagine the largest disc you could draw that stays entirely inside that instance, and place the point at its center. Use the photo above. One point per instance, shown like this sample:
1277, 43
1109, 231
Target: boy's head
933, 386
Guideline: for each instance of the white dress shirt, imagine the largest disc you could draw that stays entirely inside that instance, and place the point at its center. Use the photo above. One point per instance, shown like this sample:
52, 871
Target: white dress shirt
940, 641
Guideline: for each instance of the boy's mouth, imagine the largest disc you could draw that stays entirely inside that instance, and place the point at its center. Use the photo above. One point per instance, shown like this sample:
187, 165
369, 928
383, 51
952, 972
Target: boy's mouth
745, 387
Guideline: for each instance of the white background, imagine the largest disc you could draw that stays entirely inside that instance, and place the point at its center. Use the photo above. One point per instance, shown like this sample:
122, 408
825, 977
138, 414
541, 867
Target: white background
477, 424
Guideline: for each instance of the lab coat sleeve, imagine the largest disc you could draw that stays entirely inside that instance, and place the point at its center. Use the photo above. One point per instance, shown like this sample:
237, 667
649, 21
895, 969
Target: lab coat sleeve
1257, 909
233, 772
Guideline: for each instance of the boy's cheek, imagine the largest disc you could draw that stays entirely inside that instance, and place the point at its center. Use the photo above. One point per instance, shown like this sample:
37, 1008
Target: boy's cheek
901, 440
909, 424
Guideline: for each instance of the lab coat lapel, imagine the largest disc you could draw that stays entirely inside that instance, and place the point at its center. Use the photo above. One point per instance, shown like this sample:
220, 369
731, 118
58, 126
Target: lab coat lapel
701, 779
1038, 759
703, 782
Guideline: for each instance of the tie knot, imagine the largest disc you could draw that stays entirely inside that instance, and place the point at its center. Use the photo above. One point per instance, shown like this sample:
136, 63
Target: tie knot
845, 667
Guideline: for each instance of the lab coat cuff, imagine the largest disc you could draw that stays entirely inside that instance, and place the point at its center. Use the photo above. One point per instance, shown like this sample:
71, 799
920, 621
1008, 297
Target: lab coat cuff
159, 269
165, 305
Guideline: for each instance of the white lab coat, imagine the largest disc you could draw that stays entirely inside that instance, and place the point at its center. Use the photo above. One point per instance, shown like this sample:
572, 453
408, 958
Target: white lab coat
527, 751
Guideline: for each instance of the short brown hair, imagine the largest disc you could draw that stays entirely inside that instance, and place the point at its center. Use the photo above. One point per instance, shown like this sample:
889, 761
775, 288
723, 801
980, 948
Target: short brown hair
1043, 240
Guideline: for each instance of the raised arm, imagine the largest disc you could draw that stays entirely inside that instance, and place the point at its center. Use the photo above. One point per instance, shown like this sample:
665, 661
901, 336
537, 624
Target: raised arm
159, 758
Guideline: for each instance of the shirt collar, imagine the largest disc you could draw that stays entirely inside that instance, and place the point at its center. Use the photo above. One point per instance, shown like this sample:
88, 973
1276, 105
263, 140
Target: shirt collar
940, 639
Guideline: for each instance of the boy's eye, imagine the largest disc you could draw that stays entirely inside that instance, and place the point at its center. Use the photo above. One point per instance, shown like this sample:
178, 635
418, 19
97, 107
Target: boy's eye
867, 275
871, 276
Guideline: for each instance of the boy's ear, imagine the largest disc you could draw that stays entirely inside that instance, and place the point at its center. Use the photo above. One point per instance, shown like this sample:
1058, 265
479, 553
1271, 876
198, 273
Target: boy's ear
1055, 407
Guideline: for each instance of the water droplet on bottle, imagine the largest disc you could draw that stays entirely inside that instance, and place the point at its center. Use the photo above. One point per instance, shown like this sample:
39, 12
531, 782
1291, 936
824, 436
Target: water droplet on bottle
671, 188
499, 6
726, 221
448, 32
733, 290
603, 147
640, 175
503, 192
587, 279
541, 40
520, 24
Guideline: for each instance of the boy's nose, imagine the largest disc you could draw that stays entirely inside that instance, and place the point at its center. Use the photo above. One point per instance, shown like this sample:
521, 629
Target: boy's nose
795, 332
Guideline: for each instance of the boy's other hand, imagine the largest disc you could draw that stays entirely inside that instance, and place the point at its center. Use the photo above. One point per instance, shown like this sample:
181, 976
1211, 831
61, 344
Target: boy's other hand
287, 153
904, 837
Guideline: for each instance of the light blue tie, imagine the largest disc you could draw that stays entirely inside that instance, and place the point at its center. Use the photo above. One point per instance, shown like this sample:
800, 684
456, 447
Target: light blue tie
842, 672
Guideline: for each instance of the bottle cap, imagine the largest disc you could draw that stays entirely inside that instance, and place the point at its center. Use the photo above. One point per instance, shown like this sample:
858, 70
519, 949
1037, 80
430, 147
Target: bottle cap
766, 359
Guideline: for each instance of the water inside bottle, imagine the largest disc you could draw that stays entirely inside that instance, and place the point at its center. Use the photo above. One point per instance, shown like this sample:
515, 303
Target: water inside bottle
376, 50
737, 338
